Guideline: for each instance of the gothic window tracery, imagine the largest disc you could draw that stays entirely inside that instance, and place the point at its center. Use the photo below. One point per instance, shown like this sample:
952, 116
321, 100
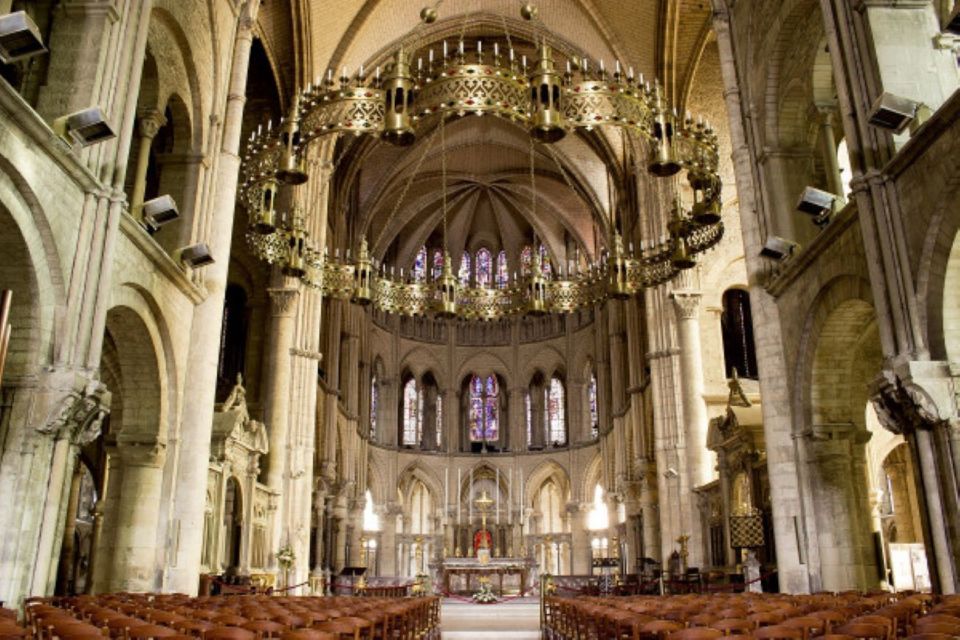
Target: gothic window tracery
555, 413
420, 266
412, 404
465, 270
484, 409
374, 404
503, 272
437, 263
592, 404
484, 268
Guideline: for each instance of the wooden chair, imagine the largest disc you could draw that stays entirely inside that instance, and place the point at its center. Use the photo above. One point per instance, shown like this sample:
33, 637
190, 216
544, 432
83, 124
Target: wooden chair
230, 620
149, 631
778, 632
228, 633
932, 636
733, 626
696, 633
863, 630
808, 625
265, 628
307, 634
339, 629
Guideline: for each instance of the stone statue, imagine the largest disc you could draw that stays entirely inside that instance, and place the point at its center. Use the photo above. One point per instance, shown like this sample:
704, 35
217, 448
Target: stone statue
237, 401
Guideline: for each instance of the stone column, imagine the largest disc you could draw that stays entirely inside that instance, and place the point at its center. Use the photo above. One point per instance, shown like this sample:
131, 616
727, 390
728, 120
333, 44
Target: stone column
518, 420
320, 514
150, 124
842, 517
785, 479
387, 549
277, 399
828, 149
68, 550
201, 365
580, 539
135, 566
695, 457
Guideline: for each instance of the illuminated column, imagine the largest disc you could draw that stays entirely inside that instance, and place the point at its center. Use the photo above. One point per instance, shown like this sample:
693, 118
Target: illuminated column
276, 412
150, 124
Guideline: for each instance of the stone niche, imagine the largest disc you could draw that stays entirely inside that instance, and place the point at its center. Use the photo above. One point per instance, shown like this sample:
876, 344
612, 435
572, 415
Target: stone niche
238, 517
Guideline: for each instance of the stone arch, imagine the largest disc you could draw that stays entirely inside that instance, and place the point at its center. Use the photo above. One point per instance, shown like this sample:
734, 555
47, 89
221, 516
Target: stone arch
840, 357
938, 279
139, 380
592, 475
377, 483
484, 363
31, 269
418, 360
417, 471
547, 471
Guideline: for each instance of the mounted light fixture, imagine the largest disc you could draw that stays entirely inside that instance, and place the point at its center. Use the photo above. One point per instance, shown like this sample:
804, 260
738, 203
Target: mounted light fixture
896, 113
196, 255
85, 127
818, 204
19, 37
778, 248
160, 211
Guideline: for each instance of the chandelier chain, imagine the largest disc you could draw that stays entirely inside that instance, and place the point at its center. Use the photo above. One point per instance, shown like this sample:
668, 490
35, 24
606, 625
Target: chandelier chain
413, 174
443, 178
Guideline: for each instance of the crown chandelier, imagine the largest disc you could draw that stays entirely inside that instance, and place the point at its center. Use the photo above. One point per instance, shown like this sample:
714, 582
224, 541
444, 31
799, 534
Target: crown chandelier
404, 104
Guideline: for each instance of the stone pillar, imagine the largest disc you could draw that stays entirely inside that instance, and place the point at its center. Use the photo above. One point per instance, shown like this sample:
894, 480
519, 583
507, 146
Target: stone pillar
201, 365
277, 399
785, 481
387, 549
135, 566
580, 539
842, 516
695, 457
518, 420
150, 124
68, 550
320, 514
828, 149
687, 307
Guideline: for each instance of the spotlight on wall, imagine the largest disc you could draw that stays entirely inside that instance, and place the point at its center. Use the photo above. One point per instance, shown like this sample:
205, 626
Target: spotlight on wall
817, 204
953, 22
85, 127
895, 113
19, 37
778, 248
196, 255
671, 473
160, 211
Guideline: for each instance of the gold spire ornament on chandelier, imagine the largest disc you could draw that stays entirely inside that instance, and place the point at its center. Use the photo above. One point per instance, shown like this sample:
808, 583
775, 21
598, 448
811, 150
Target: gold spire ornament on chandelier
408, 101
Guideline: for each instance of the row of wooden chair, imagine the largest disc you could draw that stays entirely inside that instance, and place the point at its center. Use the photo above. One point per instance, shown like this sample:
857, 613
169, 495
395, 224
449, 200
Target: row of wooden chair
247, 617
760, 616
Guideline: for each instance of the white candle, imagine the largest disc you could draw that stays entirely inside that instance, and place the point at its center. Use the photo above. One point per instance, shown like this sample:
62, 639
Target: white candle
510, 498
459, 484
498, 496
470, 500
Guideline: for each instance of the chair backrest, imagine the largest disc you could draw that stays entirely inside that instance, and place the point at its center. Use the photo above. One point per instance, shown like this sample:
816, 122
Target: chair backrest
863, 630
696, 633
307, 634
150, 631
228, 633
778, 632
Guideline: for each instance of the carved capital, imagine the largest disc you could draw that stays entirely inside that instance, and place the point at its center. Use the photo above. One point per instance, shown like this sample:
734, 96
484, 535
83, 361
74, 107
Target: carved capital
80, 412
902, 406
687, 304
150, 124
141, 453
282, 300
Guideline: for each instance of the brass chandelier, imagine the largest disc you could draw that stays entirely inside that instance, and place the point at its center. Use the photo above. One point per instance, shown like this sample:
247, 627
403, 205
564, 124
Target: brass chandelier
405, 104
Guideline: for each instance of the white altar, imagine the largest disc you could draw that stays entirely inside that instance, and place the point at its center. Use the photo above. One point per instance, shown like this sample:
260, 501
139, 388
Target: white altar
508, 576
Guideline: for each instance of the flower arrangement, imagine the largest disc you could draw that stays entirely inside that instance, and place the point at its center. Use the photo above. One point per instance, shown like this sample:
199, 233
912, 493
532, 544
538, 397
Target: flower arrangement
484, 594
286, 557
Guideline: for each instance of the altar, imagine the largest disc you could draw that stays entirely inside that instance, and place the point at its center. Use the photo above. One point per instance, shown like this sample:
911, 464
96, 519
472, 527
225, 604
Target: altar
463, 575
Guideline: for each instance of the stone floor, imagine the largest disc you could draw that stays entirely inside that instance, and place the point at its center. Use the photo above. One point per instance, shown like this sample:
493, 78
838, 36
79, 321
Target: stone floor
509, 621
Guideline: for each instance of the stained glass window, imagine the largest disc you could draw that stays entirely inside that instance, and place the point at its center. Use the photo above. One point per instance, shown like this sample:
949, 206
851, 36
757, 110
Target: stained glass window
484, 268
439, 421
528, 409
420, 265
503, 274
374, 402
545, 262
411, 414
592, 403
437, 263
465, 270
555, 413
484, 409
526, 260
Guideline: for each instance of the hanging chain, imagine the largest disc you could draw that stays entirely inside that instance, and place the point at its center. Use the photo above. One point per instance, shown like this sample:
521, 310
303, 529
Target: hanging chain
443, 180
533, 192
413, 174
